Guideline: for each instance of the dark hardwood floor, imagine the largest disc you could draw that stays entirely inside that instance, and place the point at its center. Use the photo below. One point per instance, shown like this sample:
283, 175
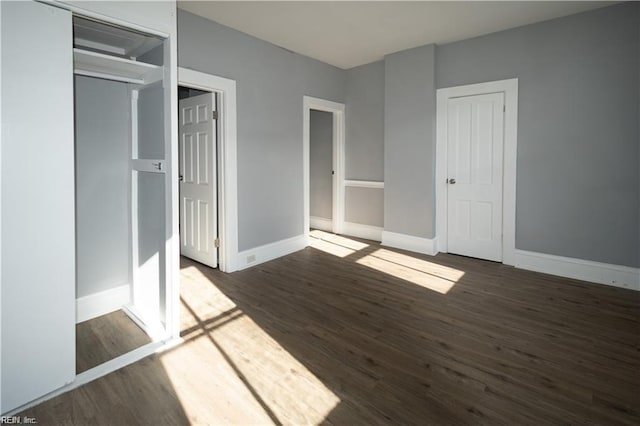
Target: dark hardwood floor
348, 332
106, 337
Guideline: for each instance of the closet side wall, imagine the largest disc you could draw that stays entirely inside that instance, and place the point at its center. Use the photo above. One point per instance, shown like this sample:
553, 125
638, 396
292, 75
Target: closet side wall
103, 182
149, 291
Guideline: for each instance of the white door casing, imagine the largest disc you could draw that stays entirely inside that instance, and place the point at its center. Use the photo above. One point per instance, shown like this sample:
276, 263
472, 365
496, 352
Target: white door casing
338, 112
509, 91
474, 174
198, 175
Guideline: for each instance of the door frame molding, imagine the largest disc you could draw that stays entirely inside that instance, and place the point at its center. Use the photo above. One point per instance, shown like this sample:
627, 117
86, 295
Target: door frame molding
510, 89
338, 111
227, 160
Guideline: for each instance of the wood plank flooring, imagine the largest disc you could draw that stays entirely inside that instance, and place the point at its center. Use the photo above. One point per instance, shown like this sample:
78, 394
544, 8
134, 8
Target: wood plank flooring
347, 332
106, 337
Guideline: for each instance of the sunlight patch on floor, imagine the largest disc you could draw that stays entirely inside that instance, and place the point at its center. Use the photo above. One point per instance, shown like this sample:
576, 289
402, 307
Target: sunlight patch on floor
422, 265
417, 271
256, 379
193, 285
336, 245
331, 248
292, 392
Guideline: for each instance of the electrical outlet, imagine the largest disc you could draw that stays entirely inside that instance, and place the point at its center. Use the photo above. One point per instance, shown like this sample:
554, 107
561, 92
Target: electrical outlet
251, 259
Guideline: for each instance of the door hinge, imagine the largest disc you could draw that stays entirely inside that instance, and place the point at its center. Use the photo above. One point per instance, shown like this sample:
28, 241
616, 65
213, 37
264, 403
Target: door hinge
216, 243
214, 115
504, 108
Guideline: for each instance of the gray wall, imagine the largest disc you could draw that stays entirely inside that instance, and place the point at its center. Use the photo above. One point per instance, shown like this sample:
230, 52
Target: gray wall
578, 137
271, 83
364, 205
409, 142
103, 208
151, 122
364, 147
321, 164
364, 97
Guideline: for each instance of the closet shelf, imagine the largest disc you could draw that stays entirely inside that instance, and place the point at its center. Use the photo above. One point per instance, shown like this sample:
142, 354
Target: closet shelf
95, 64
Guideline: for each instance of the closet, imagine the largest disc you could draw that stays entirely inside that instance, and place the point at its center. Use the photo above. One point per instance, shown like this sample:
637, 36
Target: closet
120, 180
87, 218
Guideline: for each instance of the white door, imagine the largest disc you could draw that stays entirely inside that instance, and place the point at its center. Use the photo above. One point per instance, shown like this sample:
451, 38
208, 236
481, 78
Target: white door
474, 174
198, 209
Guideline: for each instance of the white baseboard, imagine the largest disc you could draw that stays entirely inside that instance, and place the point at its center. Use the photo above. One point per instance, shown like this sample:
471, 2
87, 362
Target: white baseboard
585, 270
359, 230
267, 252
321, 223
409, 242
104, 302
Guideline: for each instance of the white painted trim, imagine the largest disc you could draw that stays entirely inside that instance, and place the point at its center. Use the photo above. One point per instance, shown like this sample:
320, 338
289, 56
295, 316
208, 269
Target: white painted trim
271, 251
510, 89
172, 225
148, 165
321, 223
227, 160
104, 369
360, 230
101, 303
338, 111
364, 184
154, 329
579, 269
409, 242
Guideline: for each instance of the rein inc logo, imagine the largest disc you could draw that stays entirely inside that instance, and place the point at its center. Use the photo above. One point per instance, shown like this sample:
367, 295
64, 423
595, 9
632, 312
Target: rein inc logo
17, 420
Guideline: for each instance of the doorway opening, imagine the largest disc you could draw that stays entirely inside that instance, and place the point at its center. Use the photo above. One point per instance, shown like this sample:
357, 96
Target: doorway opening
196, 88
197, 168
323, 164
321, 170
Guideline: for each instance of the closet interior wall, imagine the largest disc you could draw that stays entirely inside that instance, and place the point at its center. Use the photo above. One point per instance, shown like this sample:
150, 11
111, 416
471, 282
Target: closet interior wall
103, 188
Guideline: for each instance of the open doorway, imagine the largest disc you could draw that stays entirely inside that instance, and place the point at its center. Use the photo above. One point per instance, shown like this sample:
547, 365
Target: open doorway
222, 92
197, 159
323, 164
321, 170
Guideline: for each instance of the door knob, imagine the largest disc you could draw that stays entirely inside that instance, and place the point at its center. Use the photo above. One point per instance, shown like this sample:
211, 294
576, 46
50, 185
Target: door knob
451, 181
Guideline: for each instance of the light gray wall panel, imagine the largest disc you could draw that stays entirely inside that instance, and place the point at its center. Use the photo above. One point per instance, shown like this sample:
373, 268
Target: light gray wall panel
578, 185
151, 123
364, 148
103, 207
321, 164
409, 142
364, 206
271, 83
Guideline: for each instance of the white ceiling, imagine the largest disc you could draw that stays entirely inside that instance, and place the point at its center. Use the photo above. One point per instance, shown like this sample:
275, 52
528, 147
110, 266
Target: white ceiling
351, 33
